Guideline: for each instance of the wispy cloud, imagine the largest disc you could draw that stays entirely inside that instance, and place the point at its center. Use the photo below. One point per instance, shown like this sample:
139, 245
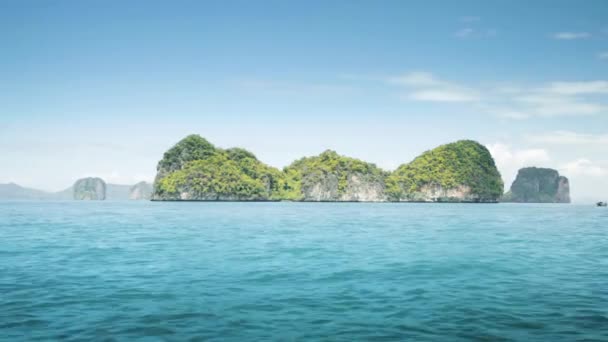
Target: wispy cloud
549, 105
472, 29
469, 32
571, 35
583, 167
423, 86
444, 95
576, 88
417, 79
509, 159
603, 55
464, 32
569, 138
555, 99
513, 102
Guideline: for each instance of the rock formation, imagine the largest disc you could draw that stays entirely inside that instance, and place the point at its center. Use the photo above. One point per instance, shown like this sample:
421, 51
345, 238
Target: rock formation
91, 188
194, 169
141, 191
332, 177
463, 171
538, 185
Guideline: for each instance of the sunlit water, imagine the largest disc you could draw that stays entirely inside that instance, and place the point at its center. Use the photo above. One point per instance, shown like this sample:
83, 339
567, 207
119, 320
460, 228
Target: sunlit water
293, 271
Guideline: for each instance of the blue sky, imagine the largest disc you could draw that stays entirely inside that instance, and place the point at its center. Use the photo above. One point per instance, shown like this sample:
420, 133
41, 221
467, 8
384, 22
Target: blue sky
104, 87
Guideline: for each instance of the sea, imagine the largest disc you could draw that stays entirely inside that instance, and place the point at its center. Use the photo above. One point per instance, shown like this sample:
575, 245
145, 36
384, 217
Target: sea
236, 271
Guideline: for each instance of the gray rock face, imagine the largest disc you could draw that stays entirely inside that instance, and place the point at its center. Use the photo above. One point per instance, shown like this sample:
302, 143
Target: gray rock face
538, 185
359, 188
141, 191
363, 188
563, 190
90, 189
436, 193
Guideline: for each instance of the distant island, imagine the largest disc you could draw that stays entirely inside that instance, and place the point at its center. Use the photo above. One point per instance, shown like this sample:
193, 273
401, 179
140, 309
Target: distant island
196, 170
90, 188
538, 185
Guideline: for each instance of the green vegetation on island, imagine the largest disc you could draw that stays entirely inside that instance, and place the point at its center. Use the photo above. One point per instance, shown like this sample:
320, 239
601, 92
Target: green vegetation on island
332, 177
538, 185
459, 171
195, 169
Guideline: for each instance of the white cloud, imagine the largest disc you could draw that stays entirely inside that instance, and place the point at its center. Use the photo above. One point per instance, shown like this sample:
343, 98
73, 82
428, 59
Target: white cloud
575, 88
583, 167
549, 105
444, 95
464, 33
603, 55
559, 98
571, 35
569, 138
549, 100
417, 78
424, 86
510, 160
469, 32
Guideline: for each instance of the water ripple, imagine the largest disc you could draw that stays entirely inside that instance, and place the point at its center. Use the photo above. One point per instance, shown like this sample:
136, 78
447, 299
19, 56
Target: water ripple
296, 271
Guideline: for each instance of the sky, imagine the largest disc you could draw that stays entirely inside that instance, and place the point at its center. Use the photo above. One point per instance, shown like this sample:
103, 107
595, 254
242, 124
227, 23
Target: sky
103, 88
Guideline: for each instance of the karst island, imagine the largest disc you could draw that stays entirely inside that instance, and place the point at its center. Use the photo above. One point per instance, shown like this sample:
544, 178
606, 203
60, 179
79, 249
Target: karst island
196, 170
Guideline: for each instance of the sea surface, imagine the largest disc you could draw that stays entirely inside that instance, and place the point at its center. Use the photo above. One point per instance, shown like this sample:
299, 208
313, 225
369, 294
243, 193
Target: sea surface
295, 271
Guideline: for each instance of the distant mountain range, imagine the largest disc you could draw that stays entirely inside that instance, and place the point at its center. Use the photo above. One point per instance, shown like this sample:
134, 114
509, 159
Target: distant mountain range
113, 192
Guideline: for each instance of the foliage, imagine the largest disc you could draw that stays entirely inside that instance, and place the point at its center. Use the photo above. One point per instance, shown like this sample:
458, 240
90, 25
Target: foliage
192, 147
216, 176
203, 171
207, 172
308, 171
464, 162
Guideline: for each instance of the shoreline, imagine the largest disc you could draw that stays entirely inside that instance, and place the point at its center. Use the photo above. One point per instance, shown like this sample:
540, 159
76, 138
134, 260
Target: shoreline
284, 201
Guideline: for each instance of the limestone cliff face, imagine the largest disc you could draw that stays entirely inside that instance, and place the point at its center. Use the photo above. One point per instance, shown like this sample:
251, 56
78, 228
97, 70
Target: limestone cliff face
141, 191
90, 189
363, 188
359, 188
538, 185
437, 193
332, 177
563, 190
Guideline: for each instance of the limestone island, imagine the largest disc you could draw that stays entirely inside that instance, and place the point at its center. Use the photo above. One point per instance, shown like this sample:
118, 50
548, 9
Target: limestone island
90, 189
196, 170
84, 189
538, 185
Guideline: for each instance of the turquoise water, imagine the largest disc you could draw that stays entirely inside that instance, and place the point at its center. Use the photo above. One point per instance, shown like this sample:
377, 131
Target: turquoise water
293, 271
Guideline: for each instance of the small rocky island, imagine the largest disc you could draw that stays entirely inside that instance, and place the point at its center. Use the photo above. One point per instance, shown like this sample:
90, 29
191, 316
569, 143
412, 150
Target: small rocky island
538, 185
90, 189
140, 191
196, 170
463, 171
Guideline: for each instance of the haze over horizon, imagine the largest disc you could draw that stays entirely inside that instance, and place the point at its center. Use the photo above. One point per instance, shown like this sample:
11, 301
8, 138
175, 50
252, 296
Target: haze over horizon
104, 89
